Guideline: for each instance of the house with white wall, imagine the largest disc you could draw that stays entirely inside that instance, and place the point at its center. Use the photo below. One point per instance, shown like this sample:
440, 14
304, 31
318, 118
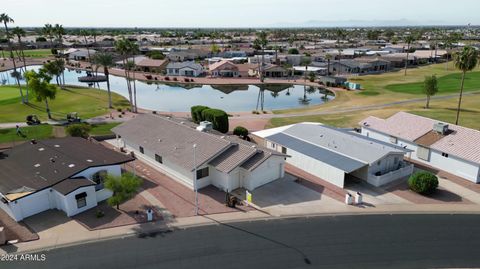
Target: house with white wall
337, 155
187, 69
224, 161
64, 173
448, 147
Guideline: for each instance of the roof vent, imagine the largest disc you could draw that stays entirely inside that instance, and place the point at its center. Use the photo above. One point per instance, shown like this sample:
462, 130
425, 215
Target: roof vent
57, 146
89, 161
440, 127
71, 165
37, 165
41, 149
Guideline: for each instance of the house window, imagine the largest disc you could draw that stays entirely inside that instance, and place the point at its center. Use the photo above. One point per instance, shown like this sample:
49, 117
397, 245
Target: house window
284, 150
141, 149
201, 173
445, 154
379, 162
274, 145
158, 158
81, 199
99, 178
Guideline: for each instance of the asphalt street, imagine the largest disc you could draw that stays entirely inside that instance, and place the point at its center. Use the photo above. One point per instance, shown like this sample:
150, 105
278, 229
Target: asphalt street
374, 241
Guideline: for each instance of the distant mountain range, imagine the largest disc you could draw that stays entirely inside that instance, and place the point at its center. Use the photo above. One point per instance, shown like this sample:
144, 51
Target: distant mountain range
357, 23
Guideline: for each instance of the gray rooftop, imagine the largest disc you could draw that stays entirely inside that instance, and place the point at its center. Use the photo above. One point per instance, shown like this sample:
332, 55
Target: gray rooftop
340, 148
174, 139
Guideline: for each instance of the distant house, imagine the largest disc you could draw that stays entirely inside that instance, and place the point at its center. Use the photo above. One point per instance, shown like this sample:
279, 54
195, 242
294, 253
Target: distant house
333, 81
187, 55
151, 65
224, 68
64, 173
444, 146
79, 54
337, 155
221, 160
187, 69
269, 71
397, 60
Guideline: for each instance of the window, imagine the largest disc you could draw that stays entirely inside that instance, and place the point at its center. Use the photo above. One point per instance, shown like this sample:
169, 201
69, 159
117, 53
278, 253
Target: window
284, 150
423, 153
274, 146
158, 158
201, 173
99, 177
445, 154
393, 139
141, 149
379, 162
81, 199
395, 160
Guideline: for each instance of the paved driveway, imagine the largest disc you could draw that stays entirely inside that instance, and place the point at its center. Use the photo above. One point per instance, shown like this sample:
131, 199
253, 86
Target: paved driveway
286, 195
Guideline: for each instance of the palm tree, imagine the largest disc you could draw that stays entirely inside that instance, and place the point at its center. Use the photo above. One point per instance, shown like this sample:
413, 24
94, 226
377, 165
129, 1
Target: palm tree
59, 33
409, 39
328, 57
262, 41
85, 33
19, 33
5, 19
122, 47
465, 60
106, 60
448, 41
47, 31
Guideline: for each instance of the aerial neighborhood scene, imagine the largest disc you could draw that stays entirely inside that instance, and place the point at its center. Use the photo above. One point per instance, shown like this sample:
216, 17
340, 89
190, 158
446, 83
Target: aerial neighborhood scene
265, 135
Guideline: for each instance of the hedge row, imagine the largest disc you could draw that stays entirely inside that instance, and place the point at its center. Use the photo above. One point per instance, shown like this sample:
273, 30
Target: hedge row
217, 117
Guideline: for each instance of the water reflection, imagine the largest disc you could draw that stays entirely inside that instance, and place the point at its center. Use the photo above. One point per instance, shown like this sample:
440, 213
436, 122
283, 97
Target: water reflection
175, 97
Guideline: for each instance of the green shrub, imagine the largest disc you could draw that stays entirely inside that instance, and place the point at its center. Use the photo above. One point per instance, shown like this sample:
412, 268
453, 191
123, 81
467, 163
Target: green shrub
217, 117
240, 131
78, 130
196, 112
423, 182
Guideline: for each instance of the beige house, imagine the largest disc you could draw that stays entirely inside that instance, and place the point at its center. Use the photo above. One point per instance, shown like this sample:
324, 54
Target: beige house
224, 68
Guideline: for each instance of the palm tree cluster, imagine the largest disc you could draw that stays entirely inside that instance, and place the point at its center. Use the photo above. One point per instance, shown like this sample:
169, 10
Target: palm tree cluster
126, 48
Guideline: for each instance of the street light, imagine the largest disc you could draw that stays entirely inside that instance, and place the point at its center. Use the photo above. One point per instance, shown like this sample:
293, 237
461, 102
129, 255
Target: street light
195, 179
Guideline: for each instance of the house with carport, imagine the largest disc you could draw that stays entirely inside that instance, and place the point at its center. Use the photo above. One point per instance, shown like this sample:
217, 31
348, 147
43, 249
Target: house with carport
227, 162
444, 146
64, 173
337, 155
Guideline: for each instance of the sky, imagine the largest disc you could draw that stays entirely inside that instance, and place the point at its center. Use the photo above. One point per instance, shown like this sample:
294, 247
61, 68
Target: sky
244, 13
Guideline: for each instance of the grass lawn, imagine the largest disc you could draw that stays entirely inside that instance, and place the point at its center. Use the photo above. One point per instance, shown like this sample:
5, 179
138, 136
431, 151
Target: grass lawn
31, 132
446, 84
442, 110
86, 101
39, 53
103, 129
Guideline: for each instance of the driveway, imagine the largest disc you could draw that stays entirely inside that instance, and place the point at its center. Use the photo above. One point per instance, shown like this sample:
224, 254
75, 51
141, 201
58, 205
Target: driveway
285, 195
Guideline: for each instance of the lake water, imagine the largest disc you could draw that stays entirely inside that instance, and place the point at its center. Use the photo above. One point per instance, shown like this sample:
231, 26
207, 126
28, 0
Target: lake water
178, 98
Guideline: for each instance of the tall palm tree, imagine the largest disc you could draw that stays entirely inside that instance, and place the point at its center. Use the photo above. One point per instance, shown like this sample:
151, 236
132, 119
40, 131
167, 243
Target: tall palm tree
19, 33
59, 32
85, 33
465, 60
409, 39
122, 47
47, 31
5, 19
106, 60
328, 57
262, 41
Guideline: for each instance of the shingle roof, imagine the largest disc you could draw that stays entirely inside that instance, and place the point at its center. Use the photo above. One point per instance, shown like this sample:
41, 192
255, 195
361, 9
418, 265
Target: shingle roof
46, 163
220, 64
173, 139
181, 65
461, 142
71, 184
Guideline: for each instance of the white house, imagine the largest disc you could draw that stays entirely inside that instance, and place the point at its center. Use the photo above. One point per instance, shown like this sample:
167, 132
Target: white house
187, 69
79, 54
336, 155
220, 160
452, 148
65, 174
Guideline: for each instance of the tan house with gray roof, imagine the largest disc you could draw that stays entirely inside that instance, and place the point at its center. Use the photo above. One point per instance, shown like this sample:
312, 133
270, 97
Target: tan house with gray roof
226, 162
